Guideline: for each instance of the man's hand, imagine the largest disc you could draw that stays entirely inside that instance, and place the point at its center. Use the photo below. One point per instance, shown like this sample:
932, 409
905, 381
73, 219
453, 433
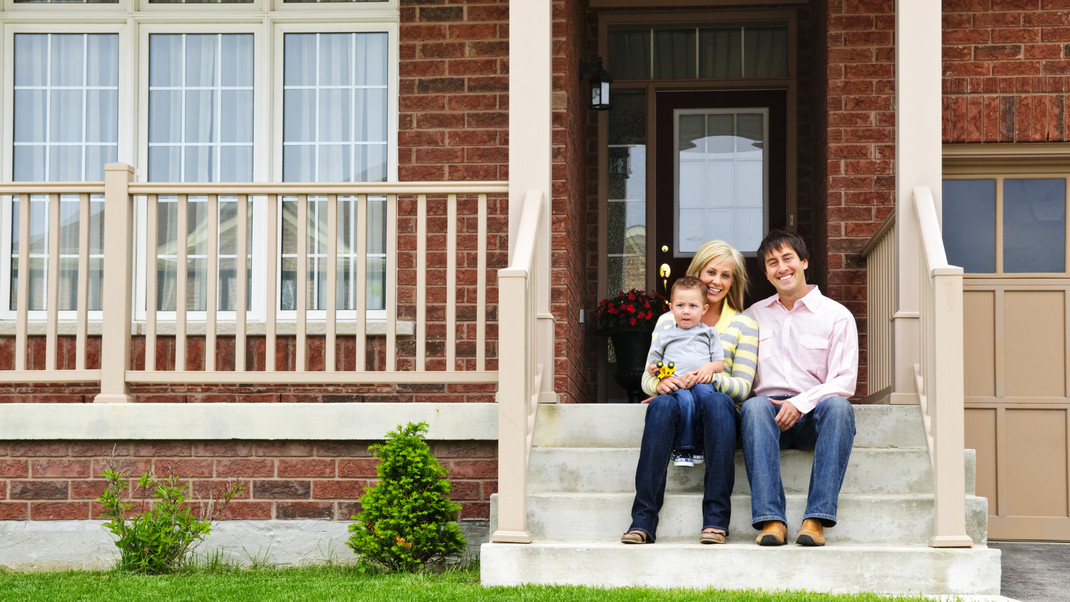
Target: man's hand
788, 414
670, 384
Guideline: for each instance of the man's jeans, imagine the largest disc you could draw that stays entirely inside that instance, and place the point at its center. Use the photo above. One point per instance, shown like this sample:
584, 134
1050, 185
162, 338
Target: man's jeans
717, 417
828, 430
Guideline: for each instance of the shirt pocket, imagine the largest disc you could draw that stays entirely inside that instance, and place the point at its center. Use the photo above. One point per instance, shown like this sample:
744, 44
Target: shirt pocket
765, 346
813, 355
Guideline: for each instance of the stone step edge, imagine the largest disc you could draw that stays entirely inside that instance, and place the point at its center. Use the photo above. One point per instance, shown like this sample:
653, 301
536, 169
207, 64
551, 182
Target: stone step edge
831, 548
629, 495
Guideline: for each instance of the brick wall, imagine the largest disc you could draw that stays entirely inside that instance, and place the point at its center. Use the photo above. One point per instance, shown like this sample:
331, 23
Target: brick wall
1006, 70
861, 146
284, 480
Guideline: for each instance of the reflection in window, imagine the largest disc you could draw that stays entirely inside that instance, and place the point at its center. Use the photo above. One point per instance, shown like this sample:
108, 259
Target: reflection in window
201, 108
1034, 225
66, 106
335, 107
626, 198
348, 258
721, 179
703, 53
969, 218
69, 247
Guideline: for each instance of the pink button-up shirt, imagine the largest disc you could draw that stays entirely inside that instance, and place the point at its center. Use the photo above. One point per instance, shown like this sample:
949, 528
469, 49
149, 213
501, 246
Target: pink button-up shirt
809, 352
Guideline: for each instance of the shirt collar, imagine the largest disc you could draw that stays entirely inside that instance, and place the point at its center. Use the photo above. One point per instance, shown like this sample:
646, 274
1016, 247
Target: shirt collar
811, 300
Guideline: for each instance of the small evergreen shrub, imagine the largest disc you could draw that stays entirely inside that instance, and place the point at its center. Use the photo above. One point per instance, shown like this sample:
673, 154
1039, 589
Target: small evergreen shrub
158, 538
407, 519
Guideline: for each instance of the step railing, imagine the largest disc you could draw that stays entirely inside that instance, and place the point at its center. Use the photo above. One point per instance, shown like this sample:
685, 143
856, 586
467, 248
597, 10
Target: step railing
879, 254
520, 356
939, 376
445, 264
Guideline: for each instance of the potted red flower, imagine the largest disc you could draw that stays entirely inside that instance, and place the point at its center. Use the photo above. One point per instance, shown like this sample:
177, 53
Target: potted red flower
628, 320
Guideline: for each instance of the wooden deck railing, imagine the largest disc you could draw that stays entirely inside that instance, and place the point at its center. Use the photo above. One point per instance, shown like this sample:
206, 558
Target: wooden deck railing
880, 298
117, 310
939, 376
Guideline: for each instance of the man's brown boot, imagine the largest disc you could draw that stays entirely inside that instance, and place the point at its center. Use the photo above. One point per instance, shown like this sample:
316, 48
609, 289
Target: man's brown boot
812, 533
774, 533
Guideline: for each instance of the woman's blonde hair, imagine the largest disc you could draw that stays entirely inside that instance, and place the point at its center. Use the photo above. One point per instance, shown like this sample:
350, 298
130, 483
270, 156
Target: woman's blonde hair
718, 249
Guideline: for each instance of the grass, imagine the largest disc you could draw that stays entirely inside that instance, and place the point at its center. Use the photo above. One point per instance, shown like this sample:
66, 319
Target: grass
343, 583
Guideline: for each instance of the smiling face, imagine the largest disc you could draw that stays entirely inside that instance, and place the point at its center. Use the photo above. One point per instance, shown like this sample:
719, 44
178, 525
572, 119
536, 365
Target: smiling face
688, 306
785, 270
717, 276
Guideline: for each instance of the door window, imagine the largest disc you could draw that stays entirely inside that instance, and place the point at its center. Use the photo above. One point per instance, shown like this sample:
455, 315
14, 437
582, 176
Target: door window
721, 174
626, 198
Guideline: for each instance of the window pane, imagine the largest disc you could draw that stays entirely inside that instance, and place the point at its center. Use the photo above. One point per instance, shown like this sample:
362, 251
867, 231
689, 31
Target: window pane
674, 54
29, 164
335, 110
30, 106
720, 53
165, 60
65, 119
102, 50
163, 126
335, 59
199, 164
371, 59
236, 123
165, 163
1034, 225
68, 225
68, 66
300, 59
765, 52
65, 164
236, 164
31, 59
200, 108
201, 60
238, 66
371, 113
969, 224
96, 157
102, 114
629, 54
299, 116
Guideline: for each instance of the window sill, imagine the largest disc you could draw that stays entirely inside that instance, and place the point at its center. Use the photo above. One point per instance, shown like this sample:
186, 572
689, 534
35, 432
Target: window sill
405, 328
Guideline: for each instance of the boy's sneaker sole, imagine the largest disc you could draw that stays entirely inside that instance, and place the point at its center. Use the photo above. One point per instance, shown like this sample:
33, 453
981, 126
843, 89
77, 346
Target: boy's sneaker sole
698, 459
686, 462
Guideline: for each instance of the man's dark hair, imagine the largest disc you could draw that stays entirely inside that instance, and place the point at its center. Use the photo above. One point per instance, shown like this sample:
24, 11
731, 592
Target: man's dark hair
777, 239
688, 283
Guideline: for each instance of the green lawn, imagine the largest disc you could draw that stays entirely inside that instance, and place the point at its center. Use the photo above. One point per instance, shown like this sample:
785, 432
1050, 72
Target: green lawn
339, 583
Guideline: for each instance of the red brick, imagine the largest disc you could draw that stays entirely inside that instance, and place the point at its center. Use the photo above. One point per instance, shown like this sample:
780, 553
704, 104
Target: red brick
475, 510
87, 489
84, 449
14, 469
60, 468
59, 510
244, 469
223, 449
465, 490
350, 490
39, 449
38, 490
306, 468
336, 449
304, 510
285, 449
162, 448
473, 469
988, 53
184, 467
247, 511
14, 510
281, 489
361, 467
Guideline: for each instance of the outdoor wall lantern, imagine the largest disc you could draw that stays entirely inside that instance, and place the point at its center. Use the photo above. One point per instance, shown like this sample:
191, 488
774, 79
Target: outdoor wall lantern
600, 81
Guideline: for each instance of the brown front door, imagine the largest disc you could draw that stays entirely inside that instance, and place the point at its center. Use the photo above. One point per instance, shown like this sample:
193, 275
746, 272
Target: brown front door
721, 173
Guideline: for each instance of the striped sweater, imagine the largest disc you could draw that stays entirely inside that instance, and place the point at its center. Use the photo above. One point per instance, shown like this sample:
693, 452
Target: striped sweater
739, 336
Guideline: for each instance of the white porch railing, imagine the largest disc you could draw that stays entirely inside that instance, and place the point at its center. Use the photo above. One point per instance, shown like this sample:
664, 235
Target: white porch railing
458, 261
518, 395
880, 297
939, 376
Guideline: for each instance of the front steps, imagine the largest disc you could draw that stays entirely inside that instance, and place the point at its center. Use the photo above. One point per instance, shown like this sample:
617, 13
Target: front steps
580, 490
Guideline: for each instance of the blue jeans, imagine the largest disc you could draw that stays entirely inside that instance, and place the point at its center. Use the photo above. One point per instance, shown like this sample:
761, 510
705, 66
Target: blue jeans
719, 421
828, 430
685, 434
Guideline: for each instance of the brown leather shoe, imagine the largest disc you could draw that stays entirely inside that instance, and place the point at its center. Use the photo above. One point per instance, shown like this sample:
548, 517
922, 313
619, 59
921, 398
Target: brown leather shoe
711, 537
633, 537
812, 533
774, 533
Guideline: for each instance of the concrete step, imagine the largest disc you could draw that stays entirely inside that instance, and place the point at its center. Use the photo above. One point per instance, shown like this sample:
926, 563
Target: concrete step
863, 519
836, 568
621, 425
596, 469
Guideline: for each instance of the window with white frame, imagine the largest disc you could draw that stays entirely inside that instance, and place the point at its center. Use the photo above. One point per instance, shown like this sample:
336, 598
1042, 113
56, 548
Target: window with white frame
199, 113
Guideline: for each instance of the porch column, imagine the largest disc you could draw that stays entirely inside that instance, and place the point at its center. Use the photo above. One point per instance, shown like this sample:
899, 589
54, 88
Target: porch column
118, 290
919, 157
530, 91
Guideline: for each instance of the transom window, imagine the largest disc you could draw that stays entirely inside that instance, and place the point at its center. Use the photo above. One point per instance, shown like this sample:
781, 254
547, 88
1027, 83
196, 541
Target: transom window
698, 53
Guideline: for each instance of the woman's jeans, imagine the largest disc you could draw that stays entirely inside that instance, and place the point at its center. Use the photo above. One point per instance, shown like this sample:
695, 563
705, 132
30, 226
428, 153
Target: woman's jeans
828, 430
718, 420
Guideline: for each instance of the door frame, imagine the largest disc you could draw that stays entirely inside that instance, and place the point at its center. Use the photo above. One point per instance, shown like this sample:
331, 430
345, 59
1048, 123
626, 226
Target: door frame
607, 21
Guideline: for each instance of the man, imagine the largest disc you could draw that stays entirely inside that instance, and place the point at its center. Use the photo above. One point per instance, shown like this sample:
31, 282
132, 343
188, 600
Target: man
807, 367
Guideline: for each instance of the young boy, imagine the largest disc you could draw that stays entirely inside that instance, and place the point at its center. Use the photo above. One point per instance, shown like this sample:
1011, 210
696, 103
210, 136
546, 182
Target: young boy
696, 351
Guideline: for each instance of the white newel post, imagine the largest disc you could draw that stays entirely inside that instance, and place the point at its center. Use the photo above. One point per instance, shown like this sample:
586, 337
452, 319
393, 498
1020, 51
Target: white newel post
116, 300
919, 157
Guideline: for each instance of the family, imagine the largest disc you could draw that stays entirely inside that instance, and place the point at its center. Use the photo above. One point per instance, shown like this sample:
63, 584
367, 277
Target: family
791, 360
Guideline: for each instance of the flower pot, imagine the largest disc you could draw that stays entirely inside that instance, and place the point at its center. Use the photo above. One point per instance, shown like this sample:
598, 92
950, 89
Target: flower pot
631, 347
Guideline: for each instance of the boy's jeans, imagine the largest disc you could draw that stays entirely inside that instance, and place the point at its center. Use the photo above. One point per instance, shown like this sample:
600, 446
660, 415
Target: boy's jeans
828, 430
685, 434
717, 417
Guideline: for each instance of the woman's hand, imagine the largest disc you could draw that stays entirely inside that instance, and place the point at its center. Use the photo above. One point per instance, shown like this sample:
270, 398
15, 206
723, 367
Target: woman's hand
670, 384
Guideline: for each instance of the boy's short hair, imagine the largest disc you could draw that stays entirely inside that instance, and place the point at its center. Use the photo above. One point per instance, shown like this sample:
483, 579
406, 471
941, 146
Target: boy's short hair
778, 239
688, 283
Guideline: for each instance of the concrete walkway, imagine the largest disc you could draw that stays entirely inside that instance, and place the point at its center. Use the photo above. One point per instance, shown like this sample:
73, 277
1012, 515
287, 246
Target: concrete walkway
1035, 571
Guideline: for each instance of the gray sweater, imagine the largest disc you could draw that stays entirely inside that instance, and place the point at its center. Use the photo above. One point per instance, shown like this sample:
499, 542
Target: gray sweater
689, 349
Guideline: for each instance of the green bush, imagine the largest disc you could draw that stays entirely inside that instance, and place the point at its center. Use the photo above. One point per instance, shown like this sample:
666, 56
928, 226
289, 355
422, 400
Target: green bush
407, 519
159, 537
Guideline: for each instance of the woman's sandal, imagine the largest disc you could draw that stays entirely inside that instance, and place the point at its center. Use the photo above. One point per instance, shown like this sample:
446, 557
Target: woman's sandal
711, 537
633, 537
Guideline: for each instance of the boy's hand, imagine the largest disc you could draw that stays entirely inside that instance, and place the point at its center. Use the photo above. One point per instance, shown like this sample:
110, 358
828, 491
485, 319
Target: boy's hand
652, 369
705, 373
670, 384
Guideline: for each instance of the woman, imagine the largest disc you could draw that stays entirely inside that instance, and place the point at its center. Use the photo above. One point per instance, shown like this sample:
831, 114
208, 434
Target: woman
720, 267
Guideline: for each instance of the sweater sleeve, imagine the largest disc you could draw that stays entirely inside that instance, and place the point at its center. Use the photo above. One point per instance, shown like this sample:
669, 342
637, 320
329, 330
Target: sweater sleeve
650, 382
737, 378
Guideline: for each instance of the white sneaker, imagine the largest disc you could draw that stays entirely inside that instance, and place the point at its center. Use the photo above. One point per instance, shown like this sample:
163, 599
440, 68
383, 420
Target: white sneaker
683, 459
697, 458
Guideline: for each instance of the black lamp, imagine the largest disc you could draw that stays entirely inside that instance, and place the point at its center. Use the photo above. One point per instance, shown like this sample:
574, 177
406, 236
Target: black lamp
600, 81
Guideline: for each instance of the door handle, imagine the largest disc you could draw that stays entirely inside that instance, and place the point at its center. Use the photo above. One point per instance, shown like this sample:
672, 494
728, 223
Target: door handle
665, 271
